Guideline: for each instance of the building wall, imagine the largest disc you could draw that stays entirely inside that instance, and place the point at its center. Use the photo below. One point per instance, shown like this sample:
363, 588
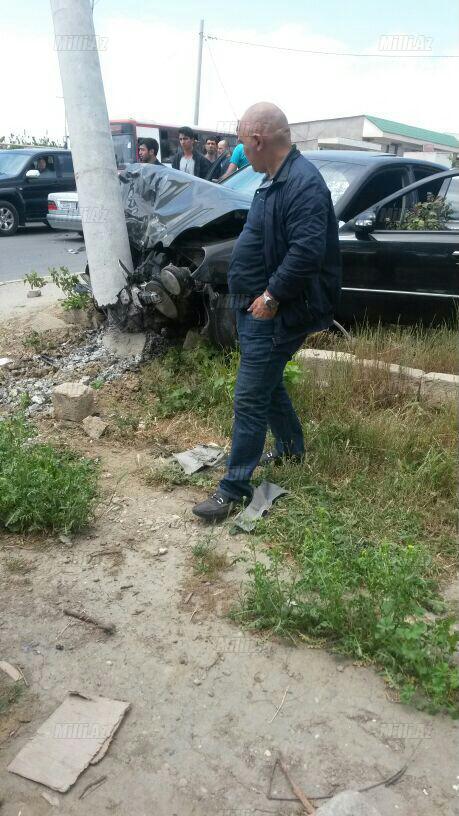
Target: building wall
306, 134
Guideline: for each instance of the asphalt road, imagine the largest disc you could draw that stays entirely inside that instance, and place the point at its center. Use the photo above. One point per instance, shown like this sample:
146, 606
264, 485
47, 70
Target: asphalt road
37, 247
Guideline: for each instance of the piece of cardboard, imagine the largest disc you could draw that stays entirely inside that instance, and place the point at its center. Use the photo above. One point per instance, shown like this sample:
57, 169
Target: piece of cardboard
77, 734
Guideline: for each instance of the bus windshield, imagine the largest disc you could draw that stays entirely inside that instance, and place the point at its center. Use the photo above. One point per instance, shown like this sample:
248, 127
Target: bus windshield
124, 142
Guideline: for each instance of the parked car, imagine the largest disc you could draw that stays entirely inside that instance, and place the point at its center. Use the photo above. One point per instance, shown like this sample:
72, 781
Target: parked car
27, 176
63, 212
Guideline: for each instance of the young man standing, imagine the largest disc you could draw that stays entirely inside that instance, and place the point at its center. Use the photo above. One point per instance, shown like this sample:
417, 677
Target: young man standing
148, 151
188, 159
285, 279
210, 151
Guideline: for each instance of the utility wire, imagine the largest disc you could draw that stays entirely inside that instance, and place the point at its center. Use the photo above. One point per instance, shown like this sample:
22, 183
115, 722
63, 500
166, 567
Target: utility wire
332, 53
220, 80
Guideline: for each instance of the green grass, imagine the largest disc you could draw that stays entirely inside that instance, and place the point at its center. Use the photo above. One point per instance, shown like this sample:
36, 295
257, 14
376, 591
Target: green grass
42, 487
9, 694
358, 551
207, 562
171, 474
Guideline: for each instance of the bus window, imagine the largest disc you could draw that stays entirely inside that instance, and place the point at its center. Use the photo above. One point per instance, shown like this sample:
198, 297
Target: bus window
169, 142
123, 136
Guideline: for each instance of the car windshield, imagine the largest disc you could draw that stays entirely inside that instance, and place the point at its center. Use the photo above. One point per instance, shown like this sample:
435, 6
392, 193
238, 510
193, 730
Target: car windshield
338, 175
11, 163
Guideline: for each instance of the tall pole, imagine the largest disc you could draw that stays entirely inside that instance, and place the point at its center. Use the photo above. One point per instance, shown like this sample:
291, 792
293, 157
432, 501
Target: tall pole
96, 174
198, 75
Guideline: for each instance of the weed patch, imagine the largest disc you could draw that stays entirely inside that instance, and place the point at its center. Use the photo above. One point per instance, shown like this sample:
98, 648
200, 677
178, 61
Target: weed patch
207, 562
42, 487
357, 553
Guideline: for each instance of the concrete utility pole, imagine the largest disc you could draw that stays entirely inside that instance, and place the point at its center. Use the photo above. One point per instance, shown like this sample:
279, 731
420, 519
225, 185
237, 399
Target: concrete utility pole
198, 75
96, 174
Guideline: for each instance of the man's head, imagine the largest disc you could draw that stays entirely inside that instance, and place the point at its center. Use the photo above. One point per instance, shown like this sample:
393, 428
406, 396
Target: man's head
186, 139
265, 134
148, 150
211, 147
223, 148
42, 165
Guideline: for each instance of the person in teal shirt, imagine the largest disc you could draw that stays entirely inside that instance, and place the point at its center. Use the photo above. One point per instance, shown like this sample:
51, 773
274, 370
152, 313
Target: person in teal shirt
238, 160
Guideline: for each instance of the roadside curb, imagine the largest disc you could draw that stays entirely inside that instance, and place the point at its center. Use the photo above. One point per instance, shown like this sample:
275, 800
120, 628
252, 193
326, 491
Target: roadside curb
432, 387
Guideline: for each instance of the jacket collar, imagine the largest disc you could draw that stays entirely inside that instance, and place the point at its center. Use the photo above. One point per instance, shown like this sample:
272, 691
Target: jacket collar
282, 174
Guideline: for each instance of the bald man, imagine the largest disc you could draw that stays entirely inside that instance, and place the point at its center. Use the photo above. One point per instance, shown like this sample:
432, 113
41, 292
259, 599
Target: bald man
284, 280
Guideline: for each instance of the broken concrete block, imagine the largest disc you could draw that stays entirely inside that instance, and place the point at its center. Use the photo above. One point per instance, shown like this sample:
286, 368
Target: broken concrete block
192, 340
439, 388
72, 401
77, 317
348, 803
94, 426
34, 293
124, 344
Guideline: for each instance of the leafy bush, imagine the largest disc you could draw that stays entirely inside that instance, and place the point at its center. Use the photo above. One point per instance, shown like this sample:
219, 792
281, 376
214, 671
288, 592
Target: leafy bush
41, 487
432, 214
67, 283
34, 280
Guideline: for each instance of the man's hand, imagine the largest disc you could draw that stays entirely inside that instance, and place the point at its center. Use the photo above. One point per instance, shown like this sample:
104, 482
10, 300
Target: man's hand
260, 310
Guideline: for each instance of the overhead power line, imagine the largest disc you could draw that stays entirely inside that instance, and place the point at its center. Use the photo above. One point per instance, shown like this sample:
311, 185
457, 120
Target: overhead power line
221, 81
393, 55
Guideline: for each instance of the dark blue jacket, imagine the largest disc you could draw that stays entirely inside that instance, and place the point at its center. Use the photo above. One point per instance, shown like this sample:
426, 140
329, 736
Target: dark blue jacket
301, 247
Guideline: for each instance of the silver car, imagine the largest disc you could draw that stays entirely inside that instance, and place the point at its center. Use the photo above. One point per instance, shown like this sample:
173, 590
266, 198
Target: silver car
63, 212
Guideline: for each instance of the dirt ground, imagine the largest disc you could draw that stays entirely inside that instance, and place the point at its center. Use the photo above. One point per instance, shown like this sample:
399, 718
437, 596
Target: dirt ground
211, 705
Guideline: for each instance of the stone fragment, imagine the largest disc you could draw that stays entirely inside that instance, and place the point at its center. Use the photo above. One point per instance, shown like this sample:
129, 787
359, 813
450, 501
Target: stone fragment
34, 293
94, 426
124, 344
72, 401
77, 317
438, 388
193, 340
348, 803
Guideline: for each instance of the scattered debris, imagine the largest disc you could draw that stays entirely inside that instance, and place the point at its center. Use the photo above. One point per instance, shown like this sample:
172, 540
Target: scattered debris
199, 457
189, 597
263, 497
279, 708
11, 671
308, 806
92, 787
65, 540
73, 401
94, 426
109, 628
348, 803
5, 361
77, 734
124, 344
76, 250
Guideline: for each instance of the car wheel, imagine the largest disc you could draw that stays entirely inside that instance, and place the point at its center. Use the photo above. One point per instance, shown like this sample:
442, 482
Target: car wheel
9, 219
221, 326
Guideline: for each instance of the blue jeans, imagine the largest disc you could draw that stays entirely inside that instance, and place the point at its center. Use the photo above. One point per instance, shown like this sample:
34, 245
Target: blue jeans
260, 400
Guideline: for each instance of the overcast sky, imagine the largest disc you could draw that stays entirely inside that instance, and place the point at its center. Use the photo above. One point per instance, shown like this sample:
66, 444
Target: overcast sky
149, 62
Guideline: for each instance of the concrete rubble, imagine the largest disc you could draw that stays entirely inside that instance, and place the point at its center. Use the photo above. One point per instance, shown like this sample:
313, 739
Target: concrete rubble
94, 426
72, 401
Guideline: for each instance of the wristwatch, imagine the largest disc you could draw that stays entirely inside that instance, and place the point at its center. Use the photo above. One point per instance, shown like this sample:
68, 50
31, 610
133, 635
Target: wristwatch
269, 301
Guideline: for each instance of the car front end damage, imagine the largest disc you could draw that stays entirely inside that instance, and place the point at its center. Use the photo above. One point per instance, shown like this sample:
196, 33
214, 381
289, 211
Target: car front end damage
182, 232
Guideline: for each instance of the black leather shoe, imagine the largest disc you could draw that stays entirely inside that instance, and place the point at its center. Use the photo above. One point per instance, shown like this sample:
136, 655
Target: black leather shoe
216, 508
275, 458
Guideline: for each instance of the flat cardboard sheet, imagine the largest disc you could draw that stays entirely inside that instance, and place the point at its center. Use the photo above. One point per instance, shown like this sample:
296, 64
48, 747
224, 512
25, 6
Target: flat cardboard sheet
77, 734
199, 457
263, 497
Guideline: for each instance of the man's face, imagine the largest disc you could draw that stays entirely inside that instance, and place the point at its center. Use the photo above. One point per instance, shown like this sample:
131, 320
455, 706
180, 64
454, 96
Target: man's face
143, 153
221, 148
41, 165
186, 143
211, 146
254, 149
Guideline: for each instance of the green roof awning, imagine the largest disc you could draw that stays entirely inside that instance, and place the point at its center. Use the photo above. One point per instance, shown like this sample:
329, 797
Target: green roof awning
414, 132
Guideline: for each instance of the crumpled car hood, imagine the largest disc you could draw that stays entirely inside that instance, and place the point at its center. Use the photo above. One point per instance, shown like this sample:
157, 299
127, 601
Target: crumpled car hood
161, 203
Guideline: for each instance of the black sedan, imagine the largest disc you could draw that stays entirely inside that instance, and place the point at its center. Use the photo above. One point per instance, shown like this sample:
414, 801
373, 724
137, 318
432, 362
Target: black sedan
182, 231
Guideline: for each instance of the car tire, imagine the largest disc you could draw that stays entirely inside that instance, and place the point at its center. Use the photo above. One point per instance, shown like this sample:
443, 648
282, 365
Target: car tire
221, 326
9, 219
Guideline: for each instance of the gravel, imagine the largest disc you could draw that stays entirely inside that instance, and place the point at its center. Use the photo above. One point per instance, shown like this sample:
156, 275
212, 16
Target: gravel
30, 382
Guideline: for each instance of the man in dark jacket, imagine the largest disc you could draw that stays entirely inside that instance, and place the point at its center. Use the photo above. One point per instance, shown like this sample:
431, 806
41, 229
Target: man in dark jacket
284, 281
148, 151
187, 158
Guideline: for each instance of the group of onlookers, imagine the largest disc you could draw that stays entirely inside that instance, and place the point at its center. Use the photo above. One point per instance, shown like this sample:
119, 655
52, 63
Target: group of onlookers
217, 162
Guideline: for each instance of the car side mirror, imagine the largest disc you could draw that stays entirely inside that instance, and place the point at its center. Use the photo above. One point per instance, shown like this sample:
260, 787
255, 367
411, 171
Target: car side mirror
31, 174
365, 223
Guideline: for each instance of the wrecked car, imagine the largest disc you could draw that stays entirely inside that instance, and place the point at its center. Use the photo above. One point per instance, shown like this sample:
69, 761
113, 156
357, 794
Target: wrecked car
182, 232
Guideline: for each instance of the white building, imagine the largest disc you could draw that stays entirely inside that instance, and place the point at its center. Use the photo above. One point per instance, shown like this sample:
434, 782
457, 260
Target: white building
372, 133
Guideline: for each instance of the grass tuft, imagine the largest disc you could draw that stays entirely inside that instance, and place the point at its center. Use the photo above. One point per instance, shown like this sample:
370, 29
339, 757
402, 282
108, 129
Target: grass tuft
42, 487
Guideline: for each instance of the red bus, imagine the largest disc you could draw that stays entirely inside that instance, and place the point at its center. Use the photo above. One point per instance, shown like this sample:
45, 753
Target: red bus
127, 132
